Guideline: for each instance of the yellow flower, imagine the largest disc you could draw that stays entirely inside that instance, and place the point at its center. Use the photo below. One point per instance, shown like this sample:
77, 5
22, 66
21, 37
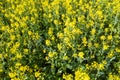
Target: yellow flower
113, 77
50, 31
3, 28
68, 76
76, 31
37, 36
18, 64
13, 50
81, 75
37, 74
94, 64
65, 57
19, 56
46, 58
48, 43
102, 37
81, 54
101, 66
87, 66
12, 75
110, 55
15, 78
44, 51
56, 22
117, 49
16, 24
53, 38
0, 56
105, 47
60, 35
104, 62
26, 51
12, 37
1, 70
23, 68
29, 33
109, 37
66, 40
84, 41
99, 14
51, 54
17, 44
91, 23
50, 15
93, 31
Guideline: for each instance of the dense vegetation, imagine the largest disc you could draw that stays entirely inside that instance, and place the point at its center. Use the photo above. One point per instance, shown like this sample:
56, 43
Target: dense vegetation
59, 39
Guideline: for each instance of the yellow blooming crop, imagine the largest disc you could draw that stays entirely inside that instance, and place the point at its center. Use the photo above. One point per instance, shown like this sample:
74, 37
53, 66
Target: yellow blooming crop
93, 31
99, 14
51, 54
59, 39
94, 64
48, 43
109, 37
110, 55
29, 33
50, 31
60, 35
0, 56
19, 56
59, 46
80, 75
101, 66
26, 51
81, 54
84, 41
12, 75
12, 37
102, 37
18, 64
105, 47
66, 40
67, 76
37, 74
113, 77
1, 70
117, 49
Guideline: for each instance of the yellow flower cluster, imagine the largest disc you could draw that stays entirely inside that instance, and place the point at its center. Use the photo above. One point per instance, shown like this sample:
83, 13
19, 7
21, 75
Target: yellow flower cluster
113, 77
67, 77
81, 75
17, 22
